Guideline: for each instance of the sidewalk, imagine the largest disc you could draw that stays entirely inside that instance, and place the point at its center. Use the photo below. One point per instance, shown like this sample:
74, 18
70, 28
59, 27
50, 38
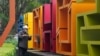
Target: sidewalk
39, 53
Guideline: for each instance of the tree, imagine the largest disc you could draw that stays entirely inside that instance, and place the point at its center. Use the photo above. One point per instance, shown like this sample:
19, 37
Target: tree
22, 6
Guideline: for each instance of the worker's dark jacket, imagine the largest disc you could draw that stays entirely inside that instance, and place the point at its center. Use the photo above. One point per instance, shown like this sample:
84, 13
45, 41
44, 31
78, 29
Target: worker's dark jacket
23, 40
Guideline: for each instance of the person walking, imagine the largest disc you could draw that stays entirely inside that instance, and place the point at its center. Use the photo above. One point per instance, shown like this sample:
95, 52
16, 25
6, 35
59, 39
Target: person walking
23, 38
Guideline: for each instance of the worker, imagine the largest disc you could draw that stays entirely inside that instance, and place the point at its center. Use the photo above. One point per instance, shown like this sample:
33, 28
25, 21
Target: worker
23, 38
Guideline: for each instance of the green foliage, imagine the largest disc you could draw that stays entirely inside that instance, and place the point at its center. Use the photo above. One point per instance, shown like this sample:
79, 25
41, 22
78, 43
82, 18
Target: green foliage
44, 1
7, 50
11, 40
9, 47
35, 4
4, 20
22, 6
4, 7
32, 5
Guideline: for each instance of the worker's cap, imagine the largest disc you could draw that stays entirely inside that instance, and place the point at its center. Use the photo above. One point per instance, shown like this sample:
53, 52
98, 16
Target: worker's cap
25, 27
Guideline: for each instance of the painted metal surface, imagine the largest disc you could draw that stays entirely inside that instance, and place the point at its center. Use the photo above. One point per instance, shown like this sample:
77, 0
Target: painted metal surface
63, 28
30, 29
54, 4
88, 41
47, 13
10, 23
28, 19
38, 28
76, 9
47, 27
46, 41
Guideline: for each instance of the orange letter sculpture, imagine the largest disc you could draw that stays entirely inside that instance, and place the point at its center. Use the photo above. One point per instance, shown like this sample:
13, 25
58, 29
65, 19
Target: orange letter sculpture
10, 23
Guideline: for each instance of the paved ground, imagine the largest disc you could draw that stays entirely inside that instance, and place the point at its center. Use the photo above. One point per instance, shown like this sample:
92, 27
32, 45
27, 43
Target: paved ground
38, 53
